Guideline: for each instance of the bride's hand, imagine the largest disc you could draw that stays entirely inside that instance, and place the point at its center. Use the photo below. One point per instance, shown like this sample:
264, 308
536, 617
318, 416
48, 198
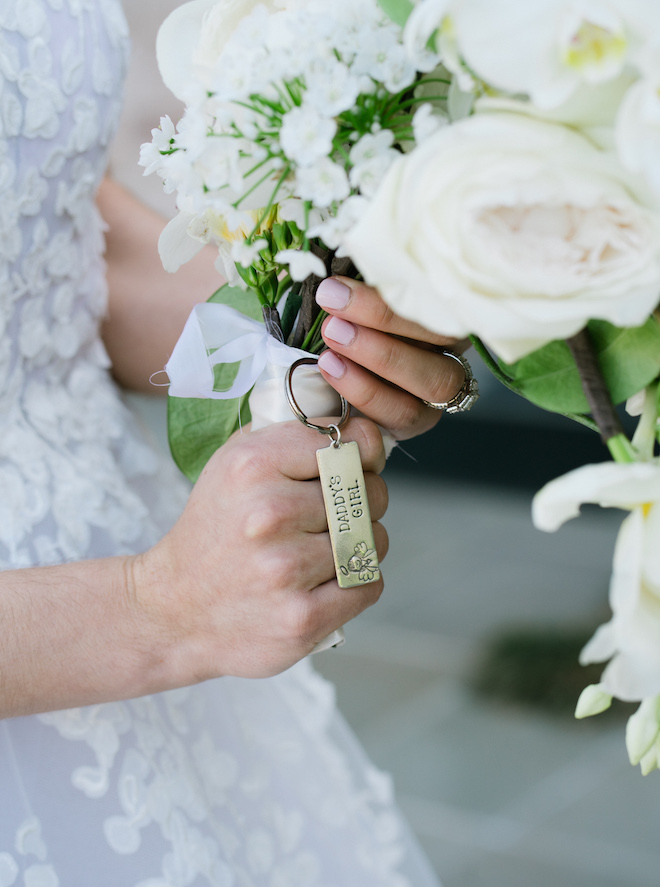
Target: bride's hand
383, 365
244, 583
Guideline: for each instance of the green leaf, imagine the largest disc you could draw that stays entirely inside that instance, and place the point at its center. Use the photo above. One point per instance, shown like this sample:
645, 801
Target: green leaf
629, 359
197, 426
397, 10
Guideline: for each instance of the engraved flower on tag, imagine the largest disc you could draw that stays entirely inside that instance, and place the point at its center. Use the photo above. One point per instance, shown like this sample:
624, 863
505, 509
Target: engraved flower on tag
363, 562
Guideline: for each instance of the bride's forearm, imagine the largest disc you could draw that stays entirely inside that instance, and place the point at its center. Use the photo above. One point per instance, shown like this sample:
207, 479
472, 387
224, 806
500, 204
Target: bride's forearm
148, 306
74, 635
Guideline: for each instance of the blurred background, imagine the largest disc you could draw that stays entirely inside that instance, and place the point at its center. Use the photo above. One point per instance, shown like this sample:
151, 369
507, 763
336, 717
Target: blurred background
462, 681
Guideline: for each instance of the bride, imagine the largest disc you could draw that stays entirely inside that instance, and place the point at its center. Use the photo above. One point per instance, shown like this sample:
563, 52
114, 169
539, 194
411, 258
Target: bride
135, 751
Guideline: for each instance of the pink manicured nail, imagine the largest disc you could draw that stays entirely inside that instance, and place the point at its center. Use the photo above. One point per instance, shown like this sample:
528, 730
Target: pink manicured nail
332, 294
333, 365
340, 331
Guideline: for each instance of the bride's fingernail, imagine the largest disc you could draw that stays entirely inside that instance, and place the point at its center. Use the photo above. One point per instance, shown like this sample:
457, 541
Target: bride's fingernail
340, 331
333, 365
332, 294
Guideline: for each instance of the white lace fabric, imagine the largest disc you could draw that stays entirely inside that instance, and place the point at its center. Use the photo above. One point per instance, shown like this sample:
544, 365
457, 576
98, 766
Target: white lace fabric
233, 783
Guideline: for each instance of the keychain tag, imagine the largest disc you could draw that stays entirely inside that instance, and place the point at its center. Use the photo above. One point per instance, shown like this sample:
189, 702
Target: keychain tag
349, 521
345, 497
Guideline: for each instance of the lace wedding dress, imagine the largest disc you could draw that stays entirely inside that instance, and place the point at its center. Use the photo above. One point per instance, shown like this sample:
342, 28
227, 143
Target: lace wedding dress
232, 783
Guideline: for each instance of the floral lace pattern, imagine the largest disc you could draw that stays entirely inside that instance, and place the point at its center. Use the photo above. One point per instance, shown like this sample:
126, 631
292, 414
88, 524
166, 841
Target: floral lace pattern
230, 784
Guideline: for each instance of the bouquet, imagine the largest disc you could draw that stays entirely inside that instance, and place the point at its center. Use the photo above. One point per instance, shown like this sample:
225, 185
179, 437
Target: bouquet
493, 167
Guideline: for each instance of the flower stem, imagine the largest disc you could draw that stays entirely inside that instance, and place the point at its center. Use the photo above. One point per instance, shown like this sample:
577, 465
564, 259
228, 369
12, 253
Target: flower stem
308, 344
621, 450
594, 386
309, 310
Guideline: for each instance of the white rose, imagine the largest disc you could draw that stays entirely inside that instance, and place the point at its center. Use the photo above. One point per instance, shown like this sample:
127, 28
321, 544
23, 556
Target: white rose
194, 35
512, 228
631, 639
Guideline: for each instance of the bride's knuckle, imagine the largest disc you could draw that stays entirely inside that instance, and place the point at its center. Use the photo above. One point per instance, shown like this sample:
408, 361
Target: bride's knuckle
267, 518
279, 568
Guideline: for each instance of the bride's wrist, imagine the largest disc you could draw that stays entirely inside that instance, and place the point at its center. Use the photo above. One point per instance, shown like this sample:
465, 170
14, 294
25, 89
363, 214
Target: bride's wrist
156, 590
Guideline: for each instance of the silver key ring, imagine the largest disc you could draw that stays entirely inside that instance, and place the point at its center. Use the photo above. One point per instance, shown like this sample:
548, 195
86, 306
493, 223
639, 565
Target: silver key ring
323, 429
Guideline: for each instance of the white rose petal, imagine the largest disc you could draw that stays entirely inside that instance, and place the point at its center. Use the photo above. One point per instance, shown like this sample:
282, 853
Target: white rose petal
512, 228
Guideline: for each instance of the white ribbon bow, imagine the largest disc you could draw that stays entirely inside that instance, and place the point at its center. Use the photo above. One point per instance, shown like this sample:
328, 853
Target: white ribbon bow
216, 334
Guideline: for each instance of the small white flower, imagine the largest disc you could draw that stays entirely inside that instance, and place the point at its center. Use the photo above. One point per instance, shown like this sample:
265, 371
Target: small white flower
162, 139
383, 58
426, 121
306, 135
244, 253
371, 157
333, 229
301, 263
331, 86
370, 147
292, 209
367, 177
323, 184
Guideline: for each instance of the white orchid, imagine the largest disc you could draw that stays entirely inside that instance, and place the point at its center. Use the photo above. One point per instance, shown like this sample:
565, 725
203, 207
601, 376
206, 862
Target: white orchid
549, 48
631, 640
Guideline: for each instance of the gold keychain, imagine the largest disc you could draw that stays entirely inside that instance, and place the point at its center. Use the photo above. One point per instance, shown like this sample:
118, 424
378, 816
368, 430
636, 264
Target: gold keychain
344, 494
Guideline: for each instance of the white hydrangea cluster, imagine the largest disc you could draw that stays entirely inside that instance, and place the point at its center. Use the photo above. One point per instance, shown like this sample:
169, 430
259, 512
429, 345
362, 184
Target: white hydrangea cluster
303, 106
